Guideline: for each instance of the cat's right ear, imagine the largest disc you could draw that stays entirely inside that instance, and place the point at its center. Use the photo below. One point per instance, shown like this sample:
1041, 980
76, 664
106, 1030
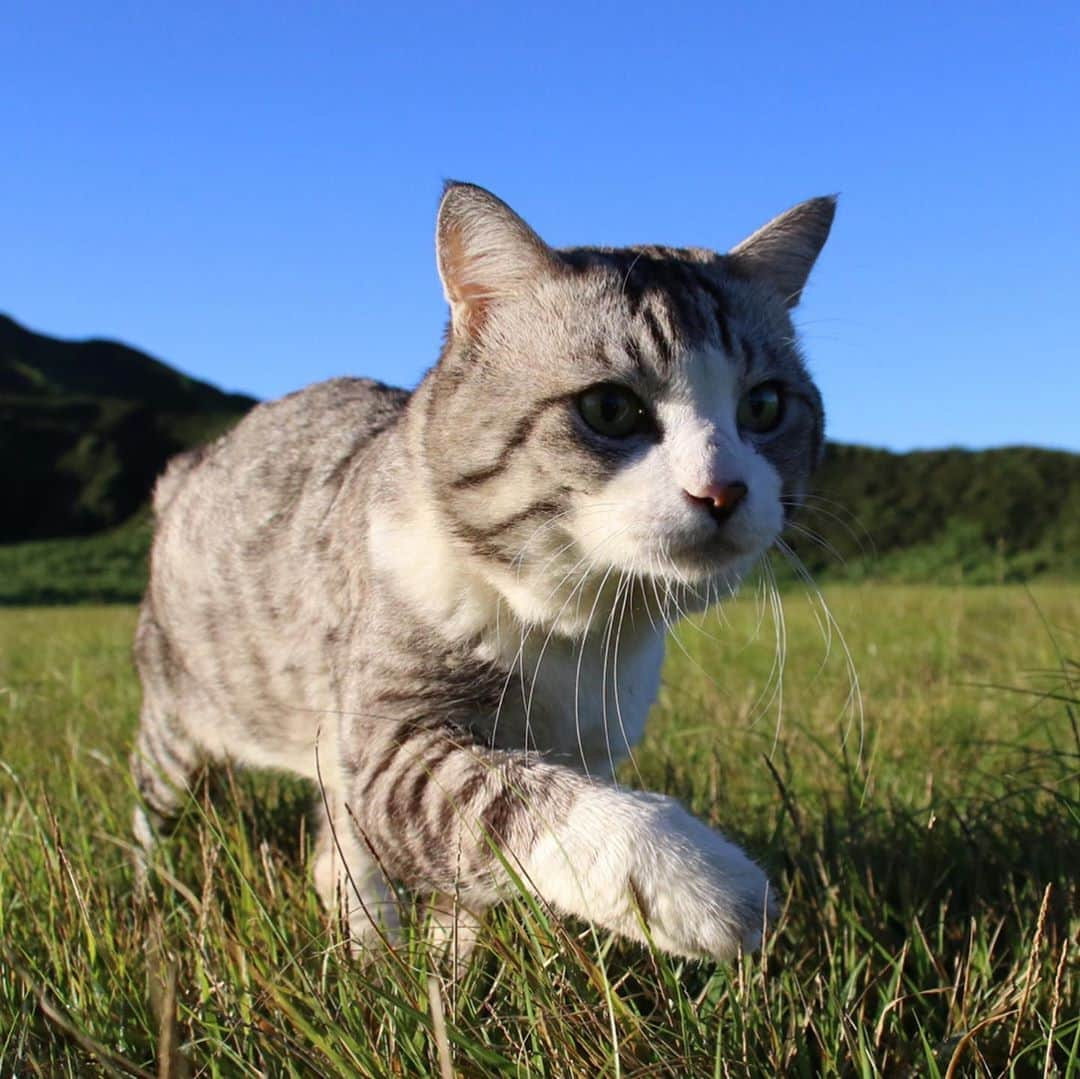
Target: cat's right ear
784, 251
485, 253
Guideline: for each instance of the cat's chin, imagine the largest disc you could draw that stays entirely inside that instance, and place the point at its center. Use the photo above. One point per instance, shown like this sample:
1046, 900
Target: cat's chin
720, 571
675, 586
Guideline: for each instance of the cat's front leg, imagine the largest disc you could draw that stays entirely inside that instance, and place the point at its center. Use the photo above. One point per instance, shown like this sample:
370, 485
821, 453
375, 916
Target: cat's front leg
629, 860
450, 817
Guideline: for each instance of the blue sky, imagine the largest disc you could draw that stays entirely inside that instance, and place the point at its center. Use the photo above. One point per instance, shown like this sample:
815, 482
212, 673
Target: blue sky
247, 191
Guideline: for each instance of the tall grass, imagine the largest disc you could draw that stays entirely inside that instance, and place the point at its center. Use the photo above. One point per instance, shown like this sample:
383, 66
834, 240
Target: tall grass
927, 846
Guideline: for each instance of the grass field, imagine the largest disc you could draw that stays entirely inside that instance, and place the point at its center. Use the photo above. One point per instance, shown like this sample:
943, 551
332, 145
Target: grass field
928, 848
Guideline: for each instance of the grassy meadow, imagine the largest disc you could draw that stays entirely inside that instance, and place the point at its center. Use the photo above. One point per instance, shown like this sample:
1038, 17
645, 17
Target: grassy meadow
925, 834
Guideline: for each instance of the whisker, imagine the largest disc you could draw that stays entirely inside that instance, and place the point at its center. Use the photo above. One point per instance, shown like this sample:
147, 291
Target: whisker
673, 636
817, 539
615, 681
781, 652
577, 672
773, 682
825, 507
854, 700
604, 674
555, 622
518, 661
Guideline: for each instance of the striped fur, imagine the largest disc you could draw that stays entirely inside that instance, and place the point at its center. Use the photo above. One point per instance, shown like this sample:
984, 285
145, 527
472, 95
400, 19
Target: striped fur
448, 605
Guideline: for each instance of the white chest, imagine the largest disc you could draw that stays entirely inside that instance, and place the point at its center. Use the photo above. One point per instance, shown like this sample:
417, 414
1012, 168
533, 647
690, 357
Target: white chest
581, 703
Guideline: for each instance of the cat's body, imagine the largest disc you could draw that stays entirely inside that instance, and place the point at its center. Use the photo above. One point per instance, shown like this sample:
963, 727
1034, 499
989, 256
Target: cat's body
291, 483
450, 606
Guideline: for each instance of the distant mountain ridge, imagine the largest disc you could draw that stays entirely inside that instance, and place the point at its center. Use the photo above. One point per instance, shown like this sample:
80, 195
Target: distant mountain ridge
34, 365
86, 426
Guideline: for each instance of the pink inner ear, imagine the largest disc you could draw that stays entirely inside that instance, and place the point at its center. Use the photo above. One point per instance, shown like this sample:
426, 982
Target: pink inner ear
468, 297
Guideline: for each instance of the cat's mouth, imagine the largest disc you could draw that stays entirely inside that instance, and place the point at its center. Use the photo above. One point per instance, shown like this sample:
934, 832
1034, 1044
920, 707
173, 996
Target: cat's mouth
695, 565
687, 556
694, 559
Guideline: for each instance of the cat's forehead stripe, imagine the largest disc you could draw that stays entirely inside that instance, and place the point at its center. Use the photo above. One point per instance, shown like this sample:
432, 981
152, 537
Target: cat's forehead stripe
633, 351
686, 285
662, 347
720, 308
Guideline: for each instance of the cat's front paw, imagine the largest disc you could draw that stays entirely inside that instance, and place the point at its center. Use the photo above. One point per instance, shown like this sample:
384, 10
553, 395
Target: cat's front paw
698, 893
622, 859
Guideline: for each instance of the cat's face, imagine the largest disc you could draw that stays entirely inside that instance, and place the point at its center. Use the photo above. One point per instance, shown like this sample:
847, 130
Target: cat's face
603, 414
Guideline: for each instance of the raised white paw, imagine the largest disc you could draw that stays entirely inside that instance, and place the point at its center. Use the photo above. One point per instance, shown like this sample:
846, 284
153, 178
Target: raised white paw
619, 858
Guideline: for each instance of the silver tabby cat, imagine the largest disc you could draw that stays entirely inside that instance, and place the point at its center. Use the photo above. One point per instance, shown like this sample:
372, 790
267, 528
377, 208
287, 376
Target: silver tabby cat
450, 604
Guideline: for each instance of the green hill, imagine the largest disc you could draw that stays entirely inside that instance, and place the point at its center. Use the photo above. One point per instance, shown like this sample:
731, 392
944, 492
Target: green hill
86, 426
948, 515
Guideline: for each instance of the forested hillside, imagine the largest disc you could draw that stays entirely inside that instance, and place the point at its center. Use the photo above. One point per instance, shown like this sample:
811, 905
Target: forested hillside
86, 426
951, 514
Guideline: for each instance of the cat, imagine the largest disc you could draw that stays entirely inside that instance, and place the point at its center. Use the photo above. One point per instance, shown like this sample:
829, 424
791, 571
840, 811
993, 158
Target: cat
448, 606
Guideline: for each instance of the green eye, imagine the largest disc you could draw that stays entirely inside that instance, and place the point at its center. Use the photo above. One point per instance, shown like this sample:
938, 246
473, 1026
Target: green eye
612, 411
761, 408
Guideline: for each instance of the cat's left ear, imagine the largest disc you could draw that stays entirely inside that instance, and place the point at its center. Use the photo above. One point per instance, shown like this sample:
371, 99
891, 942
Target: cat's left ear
485, 253
784, 251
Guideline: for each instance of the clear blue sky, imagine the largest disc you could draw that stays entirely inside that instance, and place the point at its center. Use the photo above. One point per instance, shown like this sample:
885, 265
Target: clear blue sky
247, 190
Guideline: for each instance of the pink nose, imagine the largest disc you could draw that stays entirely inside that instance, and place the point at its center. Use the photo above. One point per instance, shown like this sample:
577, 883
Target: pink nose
720, 499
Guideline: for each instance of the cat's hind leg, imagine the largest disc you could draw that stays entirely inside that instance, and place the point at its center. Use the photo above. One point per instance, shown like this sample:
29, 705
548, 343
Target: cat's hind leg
349, 880
166, 760
164, 766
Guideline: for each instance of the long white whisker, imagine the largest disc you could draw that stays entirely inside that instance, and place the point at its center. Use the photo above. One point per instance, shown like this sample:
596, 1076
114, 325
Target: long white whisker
555, 621
577, 672
817, 539
518, 660
854, 701
672, 635
763, 702
781, 651
607, 638
519, 559
814, 504
627, 597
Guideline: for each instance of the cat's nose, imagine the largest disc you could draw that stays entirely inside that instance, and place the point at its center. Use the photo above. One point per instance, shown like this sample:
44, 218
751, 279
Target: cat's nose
720, 499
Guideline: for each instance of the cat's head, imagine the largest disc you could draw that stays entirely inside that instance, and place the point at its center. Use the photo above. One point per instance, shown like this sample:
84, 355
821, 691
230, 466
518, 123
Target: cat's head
637, 412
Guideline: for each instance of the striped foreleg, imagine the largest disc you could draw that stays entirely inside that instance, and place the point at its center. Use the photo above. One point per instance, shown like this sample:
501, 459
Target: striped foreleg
448, 817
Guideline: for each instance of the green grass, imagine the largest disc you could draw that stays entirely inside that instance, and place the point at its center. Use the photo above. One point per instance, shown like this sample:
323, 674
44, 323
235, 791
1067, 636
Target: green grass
109, 567
928, 851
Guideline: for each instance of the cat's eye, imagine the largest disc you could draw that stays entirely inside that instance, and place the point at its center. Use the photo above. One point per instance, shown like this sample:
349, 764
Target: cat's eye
761, 408
613, 411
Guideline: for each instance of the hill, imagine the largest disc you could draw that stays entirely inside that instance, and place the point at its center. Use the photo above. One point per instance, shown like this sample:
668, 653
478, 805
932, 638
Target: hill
953, 514
86, 426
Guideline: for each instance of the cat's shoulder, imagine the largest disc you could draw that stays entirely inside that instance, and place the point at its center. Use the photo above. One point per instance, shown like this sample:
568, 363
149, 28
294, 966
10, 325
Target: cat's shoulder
281, 444
340, 394
339, 405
